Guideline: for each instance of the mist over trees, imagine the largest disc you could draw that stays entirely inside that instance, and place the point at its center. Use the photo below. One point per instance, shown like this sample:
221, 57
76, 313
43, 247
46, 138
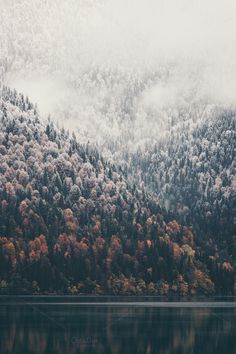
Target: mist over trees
118, 73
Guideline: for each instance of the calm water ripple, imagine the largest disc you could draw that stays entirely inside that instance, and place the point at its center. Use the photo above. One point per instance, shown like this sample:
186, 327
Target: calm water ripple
124, 327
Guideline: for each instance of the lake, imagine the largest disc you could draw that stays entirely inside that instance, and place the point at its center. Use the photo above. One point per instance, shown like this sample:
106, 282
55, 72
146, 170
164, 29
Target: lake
69, 325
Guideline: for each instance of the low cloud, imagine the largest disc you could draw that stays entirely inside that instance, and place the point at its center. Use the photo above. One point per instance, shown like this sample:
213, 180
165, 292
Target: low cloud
95, 64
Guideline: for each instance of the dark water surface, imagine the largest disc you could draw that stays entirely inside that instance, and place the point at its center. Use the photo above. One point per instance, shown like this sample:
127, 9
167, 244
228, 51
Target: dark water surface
48, 325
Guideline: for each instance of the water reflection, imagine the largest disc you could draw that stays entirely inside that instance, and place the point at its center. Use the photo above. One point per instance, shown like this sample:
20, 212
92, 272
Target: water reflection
44, 329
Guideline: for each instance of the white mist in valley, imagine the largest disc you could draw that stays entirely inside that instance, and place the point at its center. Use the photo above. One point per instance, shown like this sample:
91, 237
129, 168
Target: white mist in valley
119, 73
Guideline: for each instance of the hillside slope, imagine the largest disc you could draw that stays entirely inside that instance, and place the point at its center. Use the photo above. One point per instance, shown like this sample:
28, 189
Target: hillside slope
69, 222
192, 173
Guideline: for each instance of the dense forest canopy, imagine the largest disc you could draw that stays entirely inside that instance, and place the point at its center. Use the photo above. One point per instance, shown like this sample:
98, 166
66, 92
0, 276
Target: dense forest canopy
70, 222
193, 173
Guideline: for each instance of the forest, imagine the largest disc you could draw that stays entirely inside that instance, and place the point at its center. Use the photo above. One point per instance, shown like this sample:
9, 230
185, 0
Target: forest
72, 222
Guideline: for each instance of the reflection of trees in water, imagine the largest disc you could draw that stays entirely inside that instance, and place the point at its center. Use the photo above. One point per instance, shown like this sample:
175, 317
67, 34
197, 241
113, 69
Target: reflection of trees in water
116, 330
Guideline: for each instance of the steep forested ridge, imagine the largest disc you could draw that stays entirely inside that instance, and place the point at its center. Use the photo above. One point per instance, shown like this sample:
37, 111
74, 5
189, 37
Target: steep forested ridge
70, 223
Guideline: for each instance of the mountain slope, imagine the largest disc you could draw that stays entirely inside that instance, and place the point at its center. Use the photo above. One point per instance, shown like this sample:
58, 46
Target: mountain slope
69, 222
